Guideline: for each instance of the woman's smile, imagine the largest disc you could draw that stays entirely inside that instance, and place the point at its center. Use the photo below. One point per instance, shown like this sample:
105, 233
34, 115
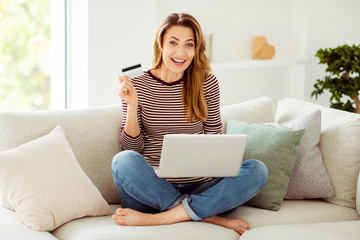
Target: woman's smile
178, 61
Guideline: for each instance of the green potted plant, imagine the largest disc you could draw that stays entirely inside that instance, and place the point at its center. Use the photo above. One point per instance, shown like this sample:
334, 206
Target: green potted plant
343, 77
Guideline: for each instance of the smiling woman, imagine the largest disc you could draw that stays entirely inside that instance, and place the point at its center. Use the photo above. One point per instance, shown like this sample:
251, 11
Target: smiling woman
178, 95
196, 66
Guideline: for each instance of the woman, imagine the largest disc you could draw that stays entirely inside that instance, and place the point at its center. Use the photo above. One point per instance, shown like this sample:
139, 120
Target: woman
179, 95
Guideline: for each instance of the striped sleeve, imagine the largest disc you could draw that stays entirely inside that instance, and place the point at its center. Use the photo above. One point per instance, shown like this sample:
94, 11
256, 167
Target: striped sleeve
127, 142
213, 124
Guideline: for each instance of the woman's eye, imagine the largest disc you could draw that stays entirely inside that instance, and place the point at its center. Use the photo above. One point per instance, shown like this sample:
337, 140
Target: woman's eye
172, 42
190, 45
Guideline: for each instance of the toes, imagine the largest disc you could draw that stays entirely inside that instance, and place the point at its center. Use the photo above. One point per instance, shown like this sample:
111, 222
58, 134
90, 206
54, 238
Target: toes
119, 211
241, 226
122, 211
119, 220
242, 230
244, 224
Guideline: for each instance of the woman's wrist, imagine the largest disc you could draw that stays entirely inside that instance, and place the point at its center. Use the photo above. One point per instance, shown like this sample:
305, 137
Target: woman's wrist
133, 106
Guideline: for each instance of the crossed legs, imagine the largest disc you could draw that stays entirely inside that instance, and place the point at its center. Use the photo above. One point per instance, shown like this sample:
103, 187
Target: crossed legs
149, 200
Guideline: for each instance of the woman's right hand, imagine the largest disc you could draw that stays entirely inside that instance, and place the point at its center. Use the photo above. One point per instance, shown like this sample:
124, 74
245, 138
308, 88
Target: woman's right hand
127, 91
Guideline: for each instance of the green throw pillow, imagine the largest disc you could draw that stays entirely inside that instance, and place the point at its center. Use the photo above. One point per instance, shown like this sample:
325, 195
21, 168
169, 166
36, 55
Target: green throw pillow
276, 146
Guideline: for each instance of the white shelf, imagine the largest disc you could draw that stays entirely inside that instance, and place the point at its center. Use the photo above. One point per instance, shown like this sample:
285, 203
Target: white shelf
242, 64
275, 78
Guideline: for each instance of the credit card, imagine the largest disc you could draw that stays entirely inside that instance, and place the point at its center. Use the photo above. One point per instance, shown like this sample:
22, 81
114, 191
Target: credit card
133, 71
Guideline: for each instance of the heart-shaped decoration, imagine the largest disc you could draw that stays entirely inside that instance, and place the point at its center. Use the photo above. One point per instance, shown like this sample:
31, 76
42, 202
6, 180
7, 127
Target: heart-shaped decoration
261, 49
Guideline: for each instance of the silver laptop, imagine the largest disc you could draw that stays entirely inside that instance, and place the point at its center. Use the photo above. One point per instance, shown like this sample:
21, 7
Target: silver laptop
201, 155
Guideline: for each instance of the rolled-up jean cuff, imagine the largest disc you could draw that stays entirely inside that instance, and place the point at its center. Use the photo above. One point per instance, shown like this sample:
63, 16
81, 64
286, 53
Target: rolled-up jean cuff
177, 202
188, 209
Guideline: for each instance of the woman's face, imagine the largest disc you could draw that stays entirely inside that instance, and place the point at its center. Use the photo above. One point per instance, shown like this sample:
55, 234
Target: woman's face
178, 49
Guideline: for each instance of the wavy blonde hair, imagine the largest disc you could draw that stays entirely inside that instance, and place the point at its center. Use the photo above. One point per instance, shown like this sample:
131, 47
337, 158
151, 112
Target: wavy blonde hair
193, 97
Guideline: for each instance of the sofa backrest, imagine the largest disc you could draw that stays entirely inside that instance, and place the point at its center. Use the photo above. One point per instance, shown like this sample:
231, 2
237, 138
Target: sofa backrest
339, 145
259, 110
93, 134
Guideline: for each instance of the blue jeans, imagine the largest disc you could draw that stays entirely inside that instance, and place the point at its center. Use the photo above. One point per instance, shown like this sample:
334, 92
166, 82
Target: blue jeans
140, 188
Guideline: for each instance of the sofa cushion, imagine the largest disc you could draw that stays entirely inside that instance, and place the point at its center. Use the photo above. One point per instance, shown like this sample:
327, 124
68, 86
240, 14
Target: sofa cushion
309, 178
339, 145
105, 228
291, 212
348, 230
45, 184
276, 146
295, 212
93, 134
258, 110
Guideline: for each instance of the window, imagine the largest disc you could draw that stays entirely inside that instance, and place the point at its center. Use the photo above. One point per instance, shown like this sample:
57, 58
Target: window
29, 48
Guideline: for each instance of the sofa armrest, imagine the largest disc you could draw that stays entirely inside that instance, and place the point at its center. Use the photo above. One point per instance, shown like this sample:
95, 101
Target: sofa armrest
358, 196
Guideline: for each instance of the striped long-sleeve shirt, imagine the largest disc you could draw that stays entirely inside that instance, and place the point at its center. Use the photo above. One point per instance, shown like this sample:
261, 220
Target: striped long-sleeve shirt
161, 112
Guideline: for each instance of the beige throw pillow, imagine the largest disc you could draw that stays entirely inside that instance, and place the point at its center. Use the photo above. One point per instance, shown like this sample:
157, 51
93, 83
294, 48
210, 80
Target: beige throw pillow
339, 145
45, 184
5, 202
92, 133
309, 178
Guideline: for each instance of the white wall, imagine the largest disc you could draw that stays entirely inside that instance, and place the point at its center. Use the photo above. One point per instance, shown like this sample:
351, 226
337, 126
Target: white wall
330, 23
77, 54
234, 23
121, 33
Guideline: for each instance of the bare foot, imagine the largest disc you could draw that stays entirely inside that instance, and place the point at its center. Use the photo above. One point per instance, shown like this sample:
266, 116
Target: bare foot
130, 217
235, 224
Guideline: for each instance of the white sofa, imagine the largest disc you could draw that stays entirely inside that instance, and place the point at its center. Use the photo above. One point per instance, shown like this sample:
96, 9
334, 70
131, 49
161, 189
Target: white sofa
93, 136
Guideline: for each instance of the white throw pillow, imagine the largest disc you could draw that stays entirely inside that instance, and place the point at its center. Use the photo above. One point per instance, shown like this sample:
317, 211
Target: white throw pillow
92, 133
309, 178
45, 184
5, 202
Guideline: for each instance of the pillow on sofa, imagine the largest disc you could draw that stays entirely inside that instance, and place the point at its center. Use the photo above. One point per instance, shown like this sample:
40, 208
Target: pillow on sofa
92, 133
45, 184
309, 178
276, 146
5, 202
339, 145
